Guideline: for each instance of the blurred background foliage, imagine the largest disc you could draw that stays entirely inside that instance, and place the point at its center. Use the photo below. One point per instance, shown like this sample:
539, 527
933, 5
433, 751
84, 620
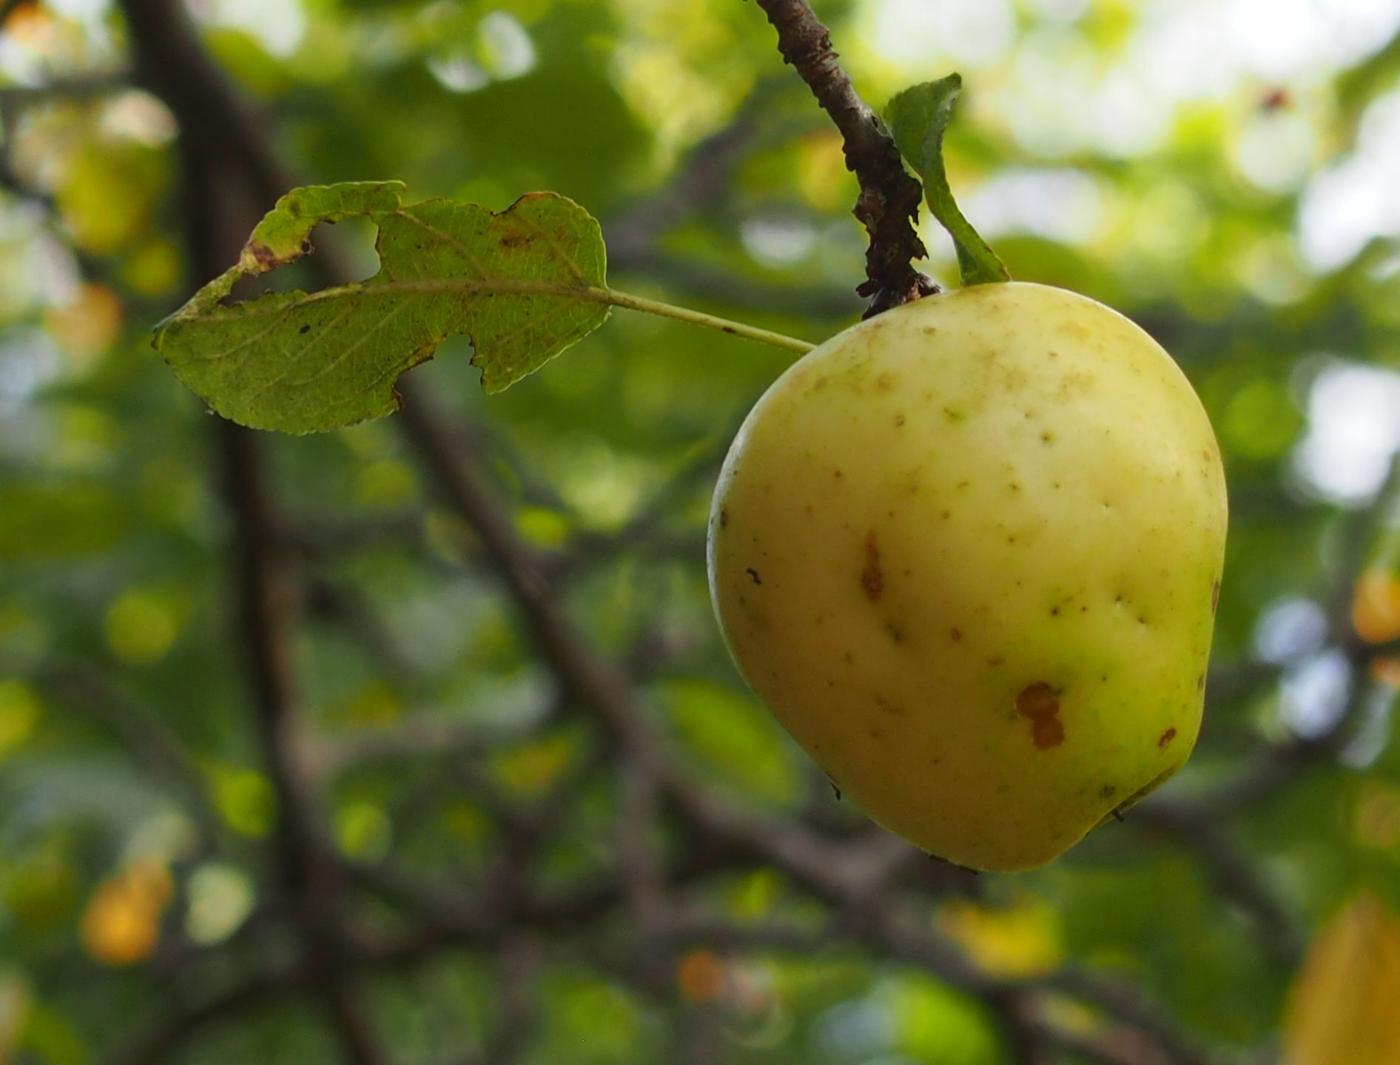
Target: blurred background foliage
1223, 171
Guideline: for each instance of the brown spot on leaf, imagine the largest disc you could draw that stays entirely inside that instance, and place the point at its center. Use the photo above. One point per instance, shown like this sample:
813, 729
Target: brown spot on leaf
1166, 737
872, 577
1040, 705
263, 255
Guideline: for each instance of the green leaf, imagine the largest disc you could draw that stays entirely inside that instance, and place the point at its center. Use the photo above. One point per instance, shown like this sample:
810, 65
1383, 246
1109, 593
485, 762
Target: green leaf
918, 118
523, 285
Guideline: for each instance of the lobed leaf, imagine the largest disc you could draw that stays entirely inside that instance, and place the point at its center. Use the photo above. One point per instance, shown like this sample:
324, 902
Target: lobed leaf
918, 117
522, 285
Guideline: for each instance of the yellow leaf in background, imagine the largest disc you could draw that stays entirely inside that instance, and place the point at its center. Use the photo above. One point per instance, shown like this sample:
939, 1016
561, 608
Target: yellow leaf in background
121, 923
14, 1004
821, 170
465, 822
141, 625
28, 23
753, 896
1375, 608
542, 526
1376, 815
39, 893
1344, 1008
363, 830
374, 703
19, 711
385, 483
243, 798
1014, 941
152, 268
1387, 670
533, 768
108, 194
700, 975
88, 324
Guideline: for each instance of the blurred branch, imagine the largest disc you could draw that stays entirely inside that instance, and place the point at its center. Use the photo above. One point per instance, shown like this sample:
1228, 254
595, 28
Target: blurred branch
140, 733
889, 200
1233, 875
77, 87
1121, 1001
706, 171
213, 132
179, 1024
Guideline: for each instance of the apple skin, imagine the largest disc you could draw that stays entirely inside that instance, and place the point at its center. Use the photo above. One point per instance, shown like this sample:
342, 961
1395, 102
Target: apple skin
968, 552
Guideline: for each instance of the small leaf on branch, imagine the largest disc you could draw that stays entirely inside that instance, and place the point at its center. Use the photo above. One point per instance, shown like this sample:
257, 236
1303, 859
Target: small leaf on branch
918, 118
522, 285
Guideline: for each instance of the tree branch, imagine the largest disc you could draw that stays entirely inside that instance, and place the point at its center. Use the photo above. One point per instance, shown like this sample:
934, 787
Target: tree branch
214, 131
889, 200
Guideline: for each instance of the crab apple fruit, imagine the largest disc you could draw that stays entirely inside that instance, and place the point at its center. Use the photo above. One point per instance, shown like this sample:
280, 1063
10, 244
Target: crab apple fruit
968, 552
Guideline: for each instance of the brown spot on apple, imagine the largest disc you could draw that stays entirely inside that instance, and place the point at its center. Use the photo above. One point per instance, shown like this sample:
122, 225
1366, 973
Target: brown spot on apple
1039, 703
872, 577
1166, 737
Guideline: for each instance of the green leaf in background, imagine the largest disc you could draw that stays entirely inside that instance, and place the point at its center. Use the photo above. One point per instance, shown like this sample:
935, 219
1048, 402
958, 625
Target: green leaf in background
918, 117
523, 285
53, 519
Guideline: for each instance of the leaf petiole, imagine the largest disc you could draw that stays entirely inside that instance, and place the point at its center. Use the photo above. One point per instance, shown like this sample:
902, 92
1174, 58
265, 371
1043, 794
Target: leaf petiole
710, 321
